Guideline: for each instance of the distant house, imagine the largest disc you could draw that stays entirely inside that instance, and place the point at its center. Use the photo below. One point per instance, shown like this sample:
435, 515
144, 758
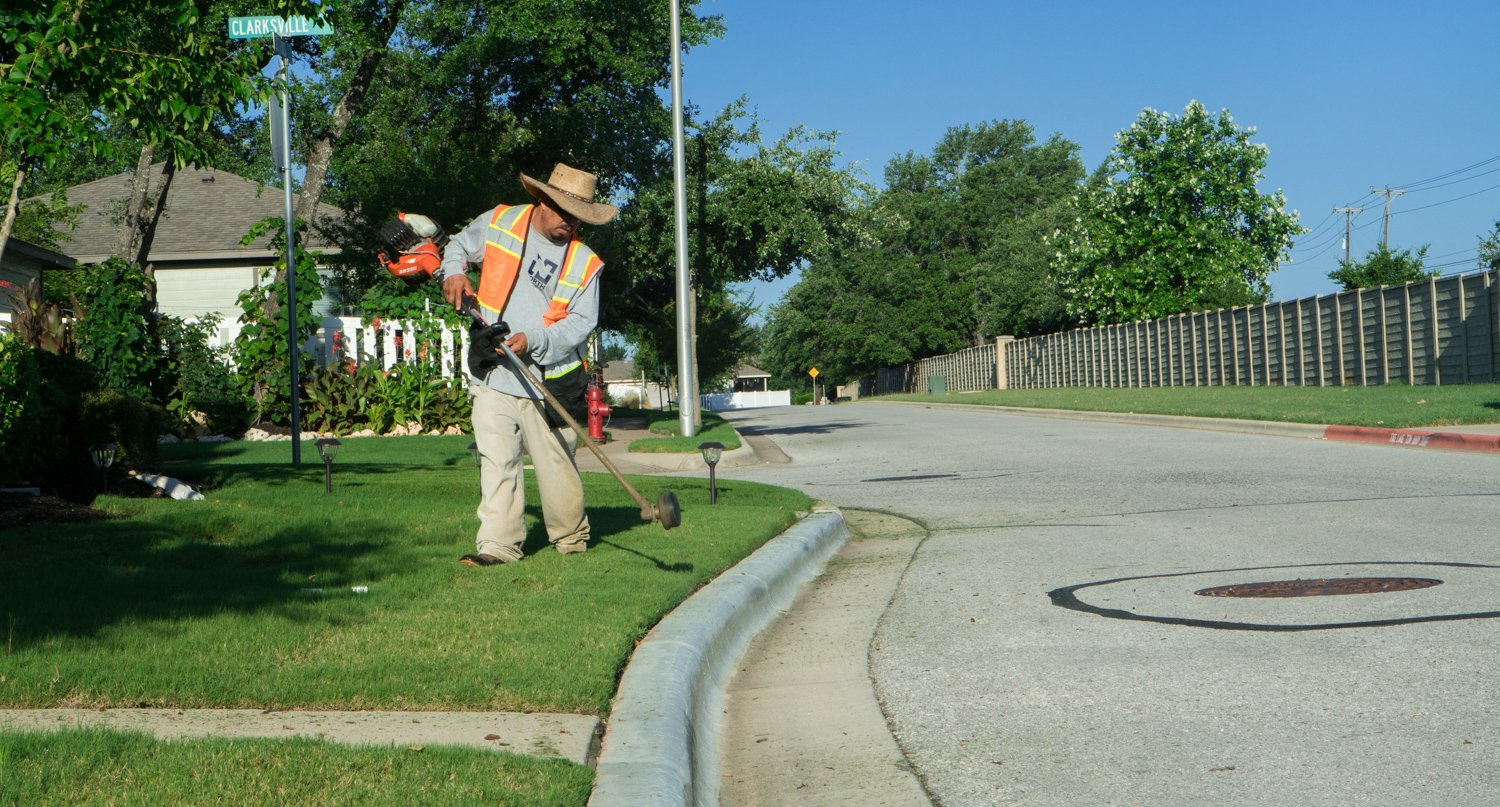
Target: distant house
22, 263
200, 266
627, 386
751, 379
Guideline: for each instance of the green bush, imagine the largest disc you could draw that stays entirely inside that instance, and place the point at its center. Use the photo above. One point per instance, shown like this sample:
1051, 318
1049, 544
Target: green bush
110, 417
43, 440
21, 417
202, 379
343, 398
116, 329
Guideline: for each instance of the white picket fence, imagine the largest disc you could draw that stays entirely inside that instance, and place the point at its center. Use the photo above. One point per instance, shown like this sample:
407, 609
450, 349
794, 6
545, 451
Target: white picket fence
386, 344
723, 401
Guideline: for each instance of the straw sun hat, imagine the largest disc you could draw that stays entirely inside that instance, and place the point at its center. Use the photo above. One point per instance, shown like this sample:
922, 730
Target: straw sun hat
573, 191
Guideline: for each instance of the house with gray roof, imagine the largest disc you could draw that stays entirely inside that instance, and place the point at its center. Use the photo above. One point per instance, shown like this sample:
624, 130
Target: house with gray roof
22, 263
199, 264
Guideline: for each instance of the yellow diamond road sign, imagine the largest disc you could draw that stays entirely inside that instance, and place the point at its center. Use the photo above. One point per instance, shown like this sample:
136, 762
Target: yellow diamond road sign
813, 372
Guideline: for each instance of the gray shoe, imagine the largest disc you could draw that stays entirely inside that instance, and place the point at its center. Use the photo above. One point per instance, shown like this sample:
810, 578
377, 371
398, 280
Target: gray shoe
574, 547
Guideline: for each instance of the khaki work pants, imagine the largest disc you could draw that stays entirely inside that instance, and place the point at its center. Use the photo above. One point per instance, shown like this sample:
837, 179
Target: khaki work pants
503, 426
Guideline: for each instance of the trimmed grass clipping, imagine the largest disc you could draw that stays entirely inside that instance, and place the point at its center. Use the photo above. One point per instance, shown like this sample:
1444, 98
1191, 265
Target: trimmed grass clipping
270, 594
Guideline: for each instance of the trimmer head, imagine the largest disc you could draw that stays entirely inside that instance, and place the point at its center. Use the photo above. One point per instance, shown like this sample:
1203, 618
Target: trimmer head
668, 512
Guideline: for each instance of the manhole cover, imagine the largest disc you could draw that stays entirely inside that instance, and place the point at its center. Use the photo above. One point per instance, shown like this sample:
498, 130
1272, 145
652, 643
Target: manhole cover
1321, 588
912, 478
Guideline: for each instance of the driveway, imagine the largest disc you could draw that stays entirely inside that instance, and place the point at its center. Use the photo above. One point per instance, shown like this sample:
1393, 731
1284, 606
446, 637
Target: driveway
1048, 644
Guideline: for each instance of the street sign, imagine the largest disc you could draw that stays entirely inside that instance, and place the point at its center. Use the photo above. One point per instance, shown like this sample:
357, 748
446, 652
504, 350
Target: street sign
813, 372
257, 27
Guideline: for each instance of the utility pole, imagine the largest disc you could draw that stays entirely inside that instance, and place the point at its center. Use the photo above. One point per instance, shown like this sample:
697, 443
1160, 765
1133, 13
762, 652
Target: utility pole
1349, 214
1385, 228
687, 383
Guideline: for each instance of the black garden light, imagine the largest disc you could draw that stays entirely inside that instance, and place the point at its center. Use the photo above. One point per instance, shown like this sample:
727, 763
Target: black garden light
711, 454
328, 448
474, 452
103, 455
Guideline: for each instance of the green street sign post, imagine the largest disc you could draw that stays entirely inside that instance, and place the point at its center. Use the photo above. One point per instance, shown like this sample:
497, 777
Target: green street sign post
280, 29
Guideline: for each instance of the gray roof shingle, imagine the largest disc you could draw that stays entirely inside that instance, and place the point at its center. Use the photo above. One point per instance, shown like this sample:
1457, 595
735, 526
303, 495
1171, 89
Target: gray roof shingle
206, 214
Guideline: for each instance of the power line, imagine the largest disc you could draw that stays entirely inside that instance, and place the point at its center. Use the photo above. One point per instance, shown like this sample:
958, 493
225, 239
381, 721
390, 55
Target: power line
1454, 172
1455, 182
1446, 201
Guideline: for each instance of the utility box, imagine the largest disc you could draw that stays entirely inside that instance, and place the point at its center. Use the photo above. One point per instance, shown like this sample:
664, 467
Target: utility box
937, 385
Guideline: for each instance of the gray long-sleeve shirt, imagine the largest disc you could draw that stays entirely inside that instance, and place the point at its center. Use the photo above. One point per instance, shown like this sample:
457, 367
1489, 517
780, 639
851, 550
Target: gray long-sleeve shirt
541, 266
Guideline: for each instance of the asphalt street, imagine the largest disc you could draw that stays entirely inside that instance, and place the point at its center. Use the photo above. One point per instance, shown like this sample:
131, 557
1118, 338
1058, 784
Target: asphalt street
1046, 644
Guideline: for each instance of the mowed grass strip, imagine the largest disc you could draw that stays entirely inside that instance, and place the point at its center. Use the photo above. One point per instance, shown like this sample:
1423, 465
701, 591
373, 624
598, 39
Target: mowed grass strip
1396, 406
100, 767
245, 600
666, 423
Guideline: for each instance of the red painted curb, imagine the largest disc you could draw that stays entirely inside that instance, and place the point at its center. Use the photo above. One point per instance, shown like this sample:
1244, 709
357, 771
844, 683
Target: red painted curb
1413, 438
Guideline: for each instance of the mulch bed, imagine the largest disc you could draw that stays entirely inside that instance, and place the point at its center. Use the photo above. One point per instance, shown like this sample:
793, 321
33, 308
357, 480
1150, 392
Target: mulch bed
20, 510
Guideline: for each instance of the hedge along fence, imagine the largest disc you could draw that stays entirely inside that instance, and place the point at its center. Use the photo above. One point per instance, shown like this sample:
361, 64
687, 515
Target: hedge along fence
1435, 331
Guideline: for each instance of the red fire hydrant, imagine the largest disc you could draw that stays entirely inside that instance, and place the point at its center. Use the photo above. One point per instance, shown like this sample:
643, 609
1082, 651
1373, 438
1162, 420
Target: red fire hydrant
598, 411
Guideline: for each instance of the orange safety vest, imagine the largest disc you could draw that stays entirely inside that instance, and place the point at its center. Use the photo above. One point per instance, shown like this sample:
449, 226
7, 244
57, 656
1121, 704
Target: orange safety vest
502, 264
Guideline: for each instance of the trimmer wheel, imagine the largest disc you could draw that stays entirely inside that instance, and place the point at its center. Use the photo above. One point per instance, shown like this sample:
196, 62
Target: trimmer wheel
667, 510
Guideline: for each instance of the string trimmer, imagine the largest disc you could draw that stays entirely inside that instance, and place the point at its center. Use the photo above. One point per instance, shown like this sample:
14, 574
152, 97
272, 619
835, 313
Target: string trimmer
488, 339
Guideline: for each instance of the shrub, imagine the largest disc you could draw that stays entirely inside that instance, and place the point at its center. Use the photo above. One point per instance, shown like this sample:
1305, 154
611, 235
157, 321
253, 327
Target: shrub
21, 421
110, 417
117, 333
346, 398
202, 379
50, 446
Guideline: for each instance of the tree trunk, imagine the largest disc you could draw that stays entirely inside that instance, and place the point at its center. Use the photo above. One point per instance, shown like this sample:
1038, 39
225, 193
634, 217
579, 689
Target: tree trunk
151, 213
321, 154
10, 208
129, 235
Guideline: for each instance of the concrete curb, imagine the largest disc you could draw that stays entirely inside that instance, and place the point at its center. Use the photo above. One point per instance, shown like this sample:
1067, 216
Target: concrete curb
660, 747
1414, 438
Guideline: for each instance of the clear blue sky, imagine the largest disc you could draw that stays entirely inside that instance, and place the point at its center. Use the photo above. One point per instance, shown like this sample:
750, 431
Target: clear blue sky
1346, 95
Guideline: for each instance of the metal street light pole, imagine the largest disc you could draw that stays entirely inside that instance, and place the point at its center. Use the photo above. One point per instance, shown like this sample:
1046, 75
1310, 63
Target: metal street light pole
284, 51
687, 388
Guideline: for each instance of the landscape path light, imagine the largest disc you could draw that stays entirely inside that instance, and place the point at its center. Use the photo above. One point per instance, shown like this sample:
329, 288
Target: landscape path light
474, 452
711, 454
103, 455
328, 448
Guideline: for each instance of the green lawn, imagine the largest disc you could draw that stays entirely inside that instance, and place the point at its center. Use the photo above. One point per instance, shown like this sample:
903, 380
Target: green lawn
1390, 405
666, 423
211, 603
95, 767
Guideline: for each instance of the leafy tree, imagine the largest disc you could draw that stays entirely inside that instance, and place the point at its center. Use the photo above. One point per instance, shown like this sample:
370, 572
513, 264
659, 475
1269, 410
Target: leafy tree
1489, 249
948, 256
151, 64
755, 211
468, 95
1382, 267
1174, 222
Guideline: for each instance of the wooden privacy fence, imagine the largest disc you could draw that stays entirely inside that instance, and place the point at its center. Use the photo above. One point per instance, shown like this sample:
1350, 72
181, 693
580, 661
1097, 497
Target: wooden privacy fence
969, 369
1435, 331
